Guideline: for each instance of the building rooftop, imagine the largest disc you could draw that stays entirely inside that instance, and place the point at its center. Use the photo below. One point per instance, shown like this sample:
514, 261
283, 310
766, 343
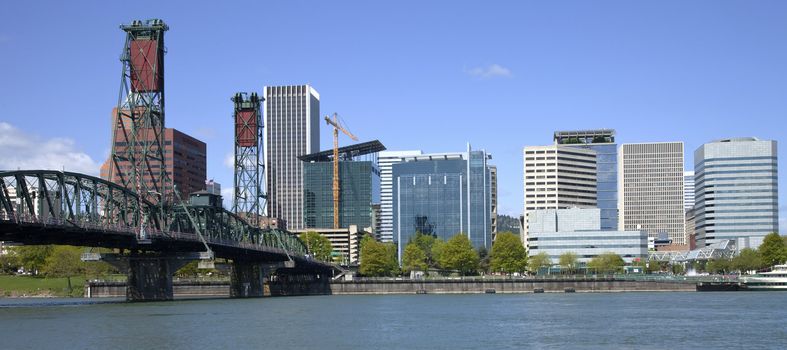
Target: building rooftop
738, 139
346, 152
584, 136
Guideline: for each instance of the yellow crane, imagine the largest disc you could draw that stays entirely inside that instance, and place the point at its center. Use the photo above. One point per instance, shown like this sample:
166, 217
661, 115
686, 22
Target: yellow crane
336, 127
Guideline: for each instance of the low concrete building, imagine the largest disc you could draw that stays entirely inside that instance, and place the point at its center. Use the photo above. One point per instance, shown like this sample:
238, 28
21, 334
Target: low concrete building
345, 241
557, 231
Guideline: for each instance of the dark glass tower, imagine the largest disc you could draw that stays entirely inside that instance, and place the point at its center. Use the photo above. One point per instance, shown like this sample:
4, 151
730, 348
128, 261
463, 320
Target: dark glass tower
443, 195
603, 143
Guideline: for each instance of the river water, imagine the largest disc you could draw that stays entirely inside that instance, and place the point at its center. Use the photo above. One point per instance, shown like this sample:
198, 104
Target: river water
723, 320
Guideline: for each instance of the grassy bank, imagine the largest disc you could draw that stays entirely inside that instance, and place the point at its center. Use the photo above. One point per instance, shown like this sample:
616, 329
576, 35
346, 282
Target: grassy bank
20, 286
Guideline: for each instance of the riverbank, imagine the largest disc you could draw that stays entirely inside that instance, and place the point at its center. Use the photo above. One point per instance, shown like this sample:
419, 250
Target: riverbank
191, 289
38, 287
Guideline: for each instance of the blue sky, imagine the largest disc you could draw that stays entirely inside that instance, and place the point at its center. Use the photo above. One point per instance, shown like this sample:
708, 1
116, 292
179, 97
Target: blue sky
416, 75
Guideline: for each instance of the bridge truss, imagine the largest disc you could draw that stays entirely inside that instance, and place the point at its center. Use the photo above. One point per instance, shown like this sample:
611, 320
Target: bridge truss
55, 207
721, 250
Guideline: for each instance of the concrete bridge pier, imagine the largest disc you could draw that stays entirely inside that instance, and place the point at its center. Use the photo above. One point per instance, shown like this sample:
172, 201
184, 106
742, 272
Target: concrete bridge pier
246, 279
150, 278
149, 275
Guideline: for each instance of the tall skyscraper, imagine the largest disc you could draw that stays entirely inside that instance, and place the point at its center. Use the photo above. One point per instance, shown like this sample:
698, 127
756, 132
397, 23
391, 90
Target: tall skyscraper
651, 189
688, 190
736, 191
603, 142
558, 177
493, 193
292, 129
385, 160
443, 195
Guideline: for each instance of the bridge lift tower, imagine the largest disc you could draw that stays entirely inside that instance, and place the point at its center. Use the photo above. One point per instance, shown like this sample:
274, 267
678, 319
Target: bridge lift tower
137, 159
249, 198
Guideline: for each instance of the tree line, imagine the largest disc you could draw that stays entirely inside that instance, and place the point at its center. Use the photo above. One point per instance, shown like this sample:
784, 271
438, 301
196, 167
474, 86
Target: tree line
508, 256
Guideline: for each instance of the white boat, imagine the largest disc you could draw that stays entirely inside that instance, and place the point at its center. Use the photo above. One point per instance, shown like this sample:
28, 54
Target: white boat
776, 279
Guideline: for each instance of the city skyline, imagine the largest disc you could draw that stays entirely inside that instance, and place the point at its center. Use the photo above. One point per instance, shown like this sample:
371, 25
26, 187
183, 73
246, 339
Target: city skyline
657, 90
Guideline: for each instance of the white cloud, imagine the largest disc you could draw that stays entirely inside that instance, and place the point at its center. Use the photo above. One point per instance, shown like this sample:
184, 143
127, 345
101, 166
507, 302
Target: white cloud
19, 150
229, 161
490, 71
227, 194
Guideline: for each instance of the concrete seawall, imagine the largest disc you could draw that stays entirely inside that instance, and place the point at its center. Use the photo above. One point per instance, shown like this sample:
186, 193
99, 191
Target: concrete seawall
181, 289
207, 289
502, 286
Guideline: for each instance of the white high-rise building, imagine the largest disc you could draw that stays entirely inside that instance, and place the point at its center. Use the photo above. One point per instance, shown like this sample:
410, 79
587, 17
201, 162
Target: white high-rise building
385, 160
688, 190
292, 129
737, 191
651, 189
558, 177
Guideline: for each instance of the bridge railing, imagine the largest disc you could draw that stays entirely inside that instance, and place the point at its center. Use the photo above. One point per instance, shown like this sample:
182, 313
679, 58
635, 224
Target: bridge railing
81, 202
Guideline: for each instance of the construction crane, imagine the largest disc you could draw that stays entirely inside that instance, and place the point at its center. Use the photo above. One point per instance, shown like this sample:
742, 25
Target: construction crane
336, 127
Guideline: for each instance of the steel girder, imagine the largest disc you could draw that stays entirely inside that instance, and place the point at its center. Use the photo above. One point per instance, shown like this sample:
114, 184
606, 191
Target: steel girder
248, 195
57, 198
721, 250
138, 161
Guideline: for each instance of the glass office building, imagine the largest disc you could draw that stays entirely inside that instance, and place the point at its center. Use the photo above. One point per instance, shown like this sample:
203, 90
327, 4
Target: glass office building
577, 230
443, 195
603, 142
358, 176
736, 191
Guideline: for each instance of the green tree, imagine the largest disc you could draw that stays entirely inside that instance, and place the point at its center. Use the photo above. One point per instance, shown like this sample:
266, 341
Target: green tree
508, 254
773, 250
458, 254
657, 266
437, 252
606, 262
9, 263
426, 243
64, 261
539, 261
33, 257
484, 260
747, 260
319, 246
378, 259
413, 258
718, 266
569, 261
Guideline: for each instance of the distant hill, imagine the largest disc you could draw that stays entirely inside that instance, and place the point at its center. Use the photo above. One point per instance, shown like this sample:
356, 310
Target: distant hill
508, 223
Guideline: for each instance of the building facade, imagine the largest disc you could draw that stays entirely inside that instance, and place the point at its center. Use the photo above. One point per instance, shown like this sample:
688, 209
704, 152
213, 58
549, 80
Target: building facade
493, 192
292, 129
185, 162
688, 190
355, 193
385, 161
443, 195
578, 230
346, 242
736, 191
651, 189
558, 177
601, 141
357, 175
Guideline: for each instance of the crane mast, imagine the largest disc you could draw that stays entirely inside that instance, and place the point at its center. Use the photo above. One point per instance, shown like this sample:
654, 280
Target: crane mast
336, 186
